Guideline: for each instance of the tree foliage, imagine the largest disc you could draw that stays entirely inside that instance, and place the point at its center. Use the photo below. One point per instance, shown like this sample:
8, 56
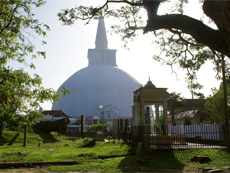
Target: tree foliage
183, 40
187, 121
99, 127
20, 93
175, 102
213, 103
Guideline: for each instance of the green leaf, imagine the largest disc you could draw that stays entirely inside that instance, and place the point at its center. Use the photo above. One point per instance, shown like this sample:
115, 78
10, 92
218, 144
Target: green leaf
20, 93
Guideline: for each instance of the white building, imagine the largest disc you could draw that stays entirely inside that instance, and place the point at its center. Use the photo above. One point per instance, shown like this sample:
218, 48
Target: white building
101, 83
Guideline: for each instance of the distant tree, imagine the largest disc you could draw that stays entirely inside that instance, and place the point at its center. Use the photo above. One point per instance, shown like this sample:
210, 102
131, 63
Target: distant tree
20, 94
213, 103
194, 86
187, 121
175, 102
99, 127
160, 128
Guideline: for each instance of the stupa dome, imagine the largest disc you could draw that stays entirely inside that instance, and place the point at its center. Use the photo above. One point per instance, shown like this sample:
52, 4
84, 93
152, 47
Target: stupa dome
101, 83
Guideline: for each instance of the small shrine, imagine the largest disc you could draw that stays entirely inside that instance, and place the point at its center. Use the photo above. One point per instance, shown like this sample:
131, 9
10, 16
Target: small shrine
150, 110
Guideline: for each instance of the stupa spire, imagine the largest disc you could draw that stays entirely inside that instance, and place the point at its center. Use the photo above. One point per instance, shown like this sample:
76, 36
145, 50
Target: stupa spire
101, 37
101, 55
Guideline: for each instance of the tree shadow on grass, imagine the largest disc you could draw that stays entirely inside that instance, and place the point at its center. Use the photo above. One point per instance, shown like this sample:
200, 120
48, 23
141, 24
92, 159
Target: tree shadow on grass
46, 136
8, 135
3, 140
157, 161
88, 143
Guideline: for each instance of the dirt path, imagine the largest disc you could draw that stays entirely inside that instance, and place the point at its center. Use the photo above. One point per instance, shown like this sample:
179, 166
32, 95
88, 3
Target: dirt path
29, 170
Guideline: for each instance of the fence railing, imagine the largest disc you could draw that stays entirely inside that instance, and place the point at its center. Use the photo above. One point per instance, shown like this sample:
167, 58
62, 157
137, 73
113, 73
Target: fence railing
204, 131
178, 137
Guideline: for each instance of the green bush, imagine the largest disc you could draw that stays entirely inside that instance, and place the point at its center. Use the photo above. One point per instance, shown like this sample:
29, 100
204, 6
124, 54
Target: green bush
187, 121
99, 127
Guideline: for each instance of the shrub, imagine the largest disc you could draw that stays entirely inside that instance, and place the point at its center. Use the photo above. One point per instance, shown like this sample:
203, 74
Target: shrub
99, 127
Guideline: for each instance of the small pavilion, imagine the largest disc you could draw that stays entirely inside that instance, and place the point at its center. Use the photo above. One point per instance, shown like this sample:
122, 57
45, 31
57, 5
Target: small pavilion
150, 110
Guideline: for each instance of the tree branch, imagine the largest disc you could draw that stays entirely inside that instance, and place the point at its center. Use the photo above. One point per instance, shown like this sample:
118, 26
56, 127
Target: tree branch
125, 1
199, 31
111, 1
182, 39
11, 20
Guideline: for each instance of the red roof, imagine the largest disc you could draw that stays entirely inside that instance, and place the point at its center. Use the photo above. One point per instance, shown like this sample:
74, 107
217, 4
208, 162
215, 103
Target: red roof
55, 113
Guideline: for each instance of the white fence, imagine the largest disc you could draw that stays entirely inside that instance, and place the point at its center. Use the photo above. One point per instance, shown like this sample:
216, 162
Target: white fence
204, 131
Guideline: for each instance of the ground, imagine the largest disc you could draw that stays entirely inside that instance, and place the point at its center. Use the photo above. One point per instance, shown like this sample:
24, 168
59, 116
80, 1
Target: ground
34, 170
22, 170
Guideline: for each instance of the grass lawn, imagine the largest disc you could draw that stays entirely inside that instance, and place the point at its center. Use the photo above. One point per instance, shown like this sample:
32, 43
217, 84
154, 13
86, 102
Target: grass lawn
103, 156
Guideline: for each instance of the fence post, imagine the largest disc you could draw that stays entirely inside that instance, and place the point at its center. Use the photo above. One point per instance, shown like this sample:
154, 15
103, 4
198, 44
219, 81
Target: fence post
125, 129
121, 129
25, 135
126, 125
118, 130
82, 126
14, 139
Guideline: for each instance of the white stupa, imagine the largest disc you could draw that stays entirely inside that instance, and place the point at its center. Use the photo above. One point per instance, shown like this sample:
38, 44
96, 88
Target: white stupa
101, 83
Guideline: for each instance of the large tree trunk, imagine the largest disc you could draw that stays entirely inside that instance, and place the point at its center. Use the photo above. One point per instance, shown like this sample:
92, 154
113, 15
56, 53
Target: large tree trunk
215, 39
219, 12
